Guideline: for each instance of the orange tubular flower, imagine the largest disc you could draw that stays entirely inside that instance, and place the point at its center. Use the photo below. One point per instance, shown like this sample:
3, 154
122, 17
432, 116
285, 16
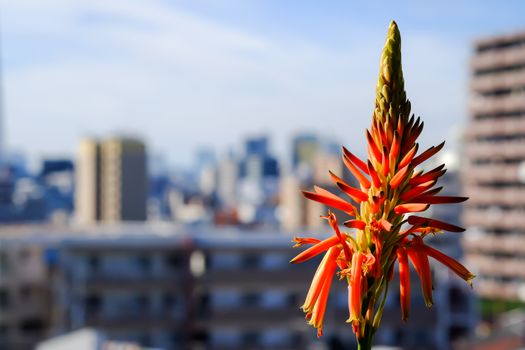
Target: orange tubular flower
316, 250
404, 283
389, 188
446, 260
420, 262
315, 303
299, 242
356, 285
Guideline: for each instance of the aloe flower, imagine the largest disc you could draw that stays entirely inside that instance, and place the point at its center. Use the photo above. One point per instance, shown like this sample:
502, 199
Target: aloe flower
379, 213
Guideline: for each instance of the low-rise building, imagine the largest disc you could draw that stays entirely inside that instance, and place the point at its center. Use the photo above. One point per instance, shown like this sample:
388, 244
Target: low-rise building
173, 287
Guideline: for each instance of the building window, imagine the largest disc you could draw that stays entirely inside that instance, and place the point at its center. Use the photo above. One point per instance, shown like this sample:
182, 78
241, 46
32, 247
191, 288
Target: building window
144, 262
3, 262
250, 261
3, 336
250, 338
26, 292
93, 263
32, 325
293, 299
93, 303
4, 299
24, 254
175, 260
169, 300
142, 302
251, 299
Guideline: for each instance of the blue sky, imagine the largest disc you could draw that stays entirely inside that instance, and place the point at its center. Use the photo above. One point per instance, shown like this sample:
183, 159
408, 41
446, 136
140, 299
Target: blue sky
185, 74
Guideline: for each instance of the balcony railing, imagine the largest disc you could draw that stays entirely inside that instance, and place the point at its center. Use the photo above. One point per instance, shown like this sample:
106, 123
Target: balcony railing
500, 58
501, 104
494, 219
492, 82
501, 127
491, 173
493, 150
481, 195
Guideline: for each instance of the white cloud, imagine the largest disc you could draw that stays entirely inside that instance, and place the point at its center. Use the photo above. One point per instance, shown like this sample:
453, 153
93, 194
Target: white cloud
182, 80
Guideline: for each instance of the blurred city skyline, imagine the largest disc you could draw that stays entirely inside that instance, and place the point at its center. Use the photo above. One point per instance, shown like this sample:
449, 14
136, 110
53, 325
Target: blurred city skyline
187, 75
168, 144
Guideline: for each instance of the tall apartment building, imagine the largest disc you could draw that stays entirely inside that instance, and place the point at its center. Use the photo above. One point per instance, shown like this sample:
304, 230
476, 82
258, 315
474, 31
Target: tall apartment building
494, 177
87, 173
111, 181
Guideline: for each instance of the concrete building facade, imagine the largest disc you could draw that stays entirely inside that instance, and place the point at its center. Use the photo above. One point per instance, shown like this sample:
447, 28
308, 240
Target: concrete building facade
111, 181
494, 176
25, 297
174, 288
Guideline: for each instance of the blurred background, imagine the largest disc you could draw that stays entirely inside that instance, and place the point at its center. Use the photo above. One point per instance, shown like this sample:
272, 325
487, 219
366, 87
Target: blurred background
152, 154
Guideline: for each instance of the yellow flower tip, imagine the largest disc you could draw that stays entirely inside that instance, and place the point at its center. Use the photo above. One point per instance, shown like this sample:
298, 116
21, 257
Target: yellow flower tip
469, 279
393, 29
353, 319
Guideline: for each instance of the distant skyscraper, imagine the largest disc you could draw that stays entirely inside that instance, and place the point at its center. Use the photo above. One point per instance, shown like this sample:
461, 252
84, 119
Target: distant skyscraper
296, 212
87, 191
227, 180
257, 146
311, 158
305, 148
495, 176
258, 184
111, 181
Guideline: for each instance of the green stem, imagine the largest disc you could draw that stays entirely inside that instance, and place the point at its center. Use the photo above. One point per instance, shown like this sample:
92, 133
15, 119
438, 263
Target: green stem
365, 342
379, 312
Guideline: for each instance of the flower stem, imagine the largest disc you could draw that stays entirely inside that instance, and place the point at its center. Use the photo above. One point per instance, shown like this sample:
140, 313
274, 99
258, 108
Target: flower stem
365, 342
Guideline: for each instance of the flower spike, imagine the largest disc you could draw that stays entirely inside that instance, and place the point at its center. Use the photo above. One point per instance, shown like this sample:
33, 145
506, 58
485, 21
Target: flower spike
391, 189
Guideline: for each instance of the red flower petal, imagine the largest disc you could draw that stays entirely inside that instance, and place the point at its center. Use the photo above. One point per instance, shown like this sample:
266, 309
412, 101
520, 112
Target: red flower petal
410, 208
330, 199
355, 194
427, 222
408, 157
358, 175
373, 175
399, 177
372, 147
449, 262
355, 160
385, 162
438, 199
358, 224
431, 175
404, 283
394, 150
413, 192
316, 249
427, 154
420, 263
